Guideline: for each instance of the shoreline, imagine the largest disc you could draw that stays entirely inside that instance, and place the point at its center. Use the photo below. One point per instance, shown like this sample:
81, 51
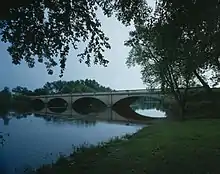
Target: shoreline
165, 147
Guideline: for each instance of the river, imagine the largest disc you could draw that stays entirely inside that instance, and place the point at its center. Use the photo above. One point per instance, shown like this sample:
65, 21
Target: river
32, 141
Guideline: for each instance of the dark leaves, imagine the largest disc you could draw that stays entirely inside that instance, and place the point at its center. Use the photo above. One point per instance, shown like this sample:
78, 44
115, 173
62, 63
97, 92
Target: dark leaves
47, 29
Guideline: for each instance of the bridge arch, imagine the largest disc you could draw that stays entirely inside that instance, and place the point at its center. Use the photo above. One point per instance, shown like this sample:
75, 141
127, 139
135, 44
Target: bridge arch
120, 98
37, 104
85, 105
126, 100
57, 105
122, 107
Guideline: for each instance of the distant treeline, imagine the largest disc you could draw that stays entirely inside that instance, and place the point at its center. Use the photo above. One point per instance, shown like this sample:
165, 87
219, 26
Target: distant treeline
64, 87
10, 101
17, 98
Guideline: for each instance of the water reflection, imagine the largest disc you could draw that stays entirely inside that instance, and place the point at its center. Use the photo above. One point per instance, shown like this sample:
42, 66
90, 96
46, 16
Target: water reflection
35, 141
149, 107
145, 109
6, 120
59, 119
156, 113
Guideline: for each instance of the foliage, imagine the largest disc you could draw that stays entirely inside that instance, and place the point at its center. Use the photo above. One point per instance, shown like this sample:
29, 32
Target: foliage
48, 29
176, 44
77, 86
160, 67
198, 105
59, 86
21, 91
18, 99
21, 103
193, 29
5, 98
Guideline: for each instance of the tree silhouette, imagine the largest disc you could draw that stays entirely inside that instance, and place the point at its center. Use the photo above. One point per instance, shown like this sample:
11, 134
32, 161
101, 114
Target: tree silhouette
46, 30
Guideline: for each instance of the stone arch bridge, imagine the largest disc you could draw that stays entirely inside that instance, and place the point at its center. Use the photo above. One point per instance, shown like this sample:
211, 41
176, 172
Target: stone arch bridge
119, 100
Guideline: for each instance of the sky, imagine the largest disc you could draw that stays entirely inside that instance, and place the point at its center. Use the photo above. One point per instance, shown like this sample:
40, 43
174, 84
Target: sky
116, 75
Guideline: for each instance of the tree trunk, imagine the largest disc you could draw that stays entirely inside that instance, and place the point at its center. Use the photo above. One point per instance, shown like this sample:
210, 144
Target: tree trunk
210, 93
182, 103
205, 85
182, 109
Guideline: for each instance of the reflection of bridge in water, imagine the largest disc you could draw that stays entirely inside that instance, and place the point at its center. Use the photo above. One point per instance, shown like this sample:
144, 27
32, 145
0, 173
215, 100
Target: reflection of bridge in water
117, 104
108, 115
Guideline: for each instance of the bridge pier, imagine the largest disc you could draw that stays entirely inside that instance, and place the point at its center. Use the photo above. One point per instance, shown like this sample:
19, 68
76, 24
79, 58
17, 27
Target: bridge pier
110, 115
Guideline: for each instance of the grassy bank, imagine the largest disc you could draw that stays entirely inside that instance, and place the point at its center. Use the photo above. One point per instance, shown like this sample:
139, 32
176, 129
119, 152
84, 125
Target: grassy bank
164, 148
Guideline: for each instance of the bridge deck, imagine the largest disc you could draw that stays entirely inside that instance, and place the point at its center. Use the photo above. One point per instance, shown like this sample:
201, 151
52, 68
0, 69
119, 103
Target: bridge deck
119, 92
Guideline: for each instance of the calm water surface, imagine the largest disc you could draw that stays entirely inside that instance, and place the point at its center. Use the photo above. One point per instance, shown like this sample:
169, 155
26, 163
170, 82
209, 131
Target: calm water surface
34, 141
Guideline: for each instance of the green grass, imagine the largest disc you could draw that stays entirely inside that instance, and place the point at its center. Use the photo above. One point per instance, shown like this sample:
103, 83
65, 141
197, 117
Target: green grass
190, 147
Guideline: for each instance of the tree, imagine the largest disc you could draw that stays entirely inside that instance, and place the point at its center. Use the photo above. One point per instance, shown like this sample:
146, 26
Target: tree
194, 26
40, 91
47, 29
66, 87
177, 44
21, 91
5, 99
161, 67
6, 90
49, 87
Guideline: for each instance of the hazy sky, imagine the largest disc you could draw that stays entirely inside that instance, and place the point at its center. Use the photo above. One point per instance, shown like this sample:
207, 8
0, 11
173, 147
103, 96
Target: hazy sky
116, 75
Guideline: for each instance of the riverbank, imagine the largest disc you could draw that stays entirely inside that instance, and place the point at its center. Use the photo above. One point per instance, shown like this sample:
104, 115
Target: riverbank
163, 148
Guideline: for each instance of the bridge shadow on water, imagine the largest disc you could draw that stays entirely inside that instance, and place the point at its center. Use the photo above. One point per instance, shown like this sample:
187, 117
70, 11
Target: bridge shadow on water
123, 108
